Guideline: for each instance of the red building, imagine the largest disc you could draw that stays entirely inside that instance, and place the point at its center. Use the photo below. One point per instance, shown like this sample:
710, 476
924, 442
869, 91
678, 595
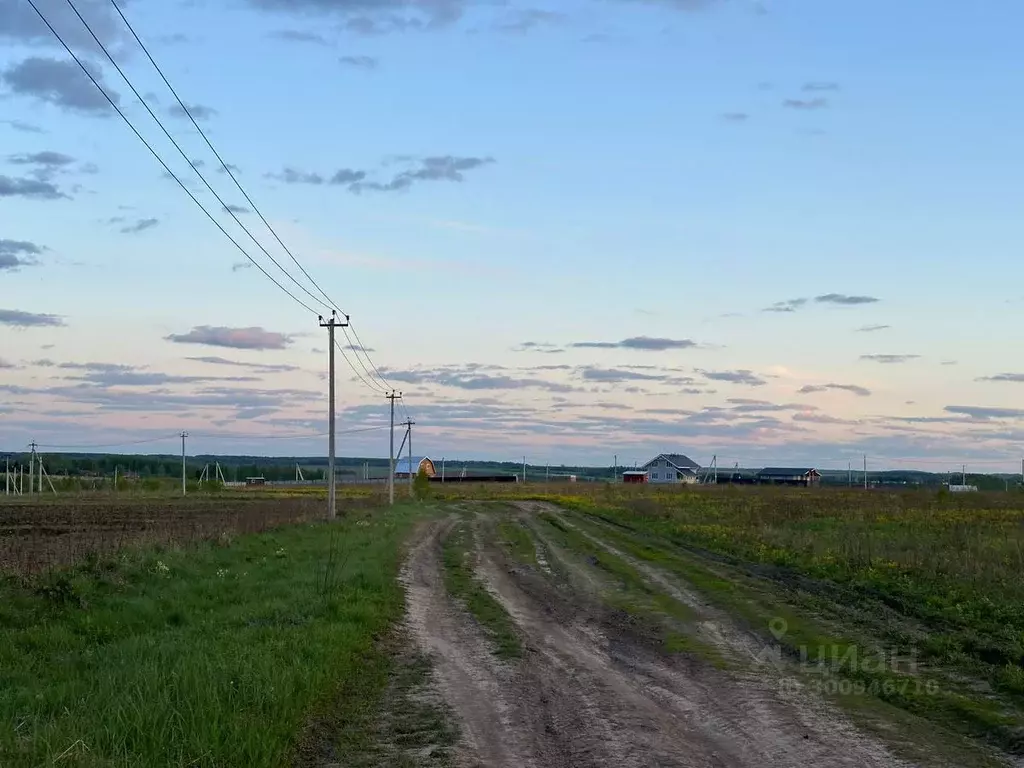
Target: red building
634, 477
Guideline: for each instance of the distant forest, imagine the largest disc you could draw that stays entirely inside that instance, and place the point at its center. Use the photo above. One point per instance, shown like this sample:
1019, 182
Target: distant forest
282, 468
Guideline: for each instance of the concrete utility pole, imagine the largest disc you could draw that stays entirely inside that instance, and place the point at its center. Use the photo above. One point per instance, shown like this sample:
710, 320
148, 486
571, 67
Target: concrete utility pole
964, 468
615, 470
865, 471
32, 467
330, 325
524, 470
391, 453
408, 426
184, 490
7, 476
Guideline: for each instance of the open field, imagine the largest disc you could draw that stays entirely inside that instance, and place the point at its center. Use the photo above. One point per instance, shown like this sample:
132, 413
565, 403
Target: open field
543, 626
45, 532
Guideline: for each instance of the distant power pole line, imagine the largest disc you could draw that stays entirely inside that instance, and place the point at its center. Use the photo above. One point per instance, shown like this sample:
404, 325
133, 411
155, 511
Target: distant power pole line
391, 452
183, 488
408, 426
330, 325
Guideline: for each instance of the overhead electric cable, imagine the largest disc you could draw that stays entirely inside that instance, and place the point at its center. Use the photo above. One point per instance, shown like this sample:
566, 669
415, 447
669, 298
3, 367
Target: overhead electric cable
357, 347
224, 164
160, 160
187, 159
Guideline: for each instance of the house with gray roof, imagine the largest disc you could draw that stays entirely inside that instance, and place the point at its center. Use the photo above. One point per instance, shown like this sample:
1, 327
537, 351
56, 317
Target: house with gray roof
671, 468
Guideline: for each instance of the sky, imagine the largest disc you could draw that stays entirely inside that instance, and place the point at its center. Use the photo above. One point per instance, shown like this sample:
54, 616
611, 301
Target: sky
769, 232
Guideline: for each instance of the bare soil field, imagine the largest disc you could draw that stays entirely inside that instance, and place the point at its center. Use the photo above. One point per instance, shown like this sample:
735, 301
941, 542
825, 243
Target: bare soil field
38, 535
564, 650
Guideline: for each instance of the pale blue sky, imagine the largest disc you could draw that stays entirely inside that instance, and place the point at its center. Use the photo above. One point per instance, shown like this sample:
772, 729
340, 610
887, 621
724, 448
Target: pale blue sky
591, 171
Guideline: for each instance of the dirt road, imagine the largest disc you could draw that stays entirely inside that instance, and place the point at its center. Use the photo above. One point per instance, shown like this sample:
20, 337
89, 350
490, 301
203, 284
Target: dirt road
592, 686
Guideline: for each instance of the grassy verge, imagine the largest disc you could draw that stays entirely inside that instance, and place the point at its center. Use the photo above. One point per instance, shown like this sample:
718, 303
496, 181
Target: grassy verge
209, 656
517, 540
654, 611
855, 669
463, 585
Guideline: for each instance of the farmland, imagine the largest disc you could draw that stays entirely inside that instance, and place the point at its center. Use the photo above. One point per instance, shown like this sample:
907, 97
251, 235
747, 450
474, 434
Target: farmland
545, 625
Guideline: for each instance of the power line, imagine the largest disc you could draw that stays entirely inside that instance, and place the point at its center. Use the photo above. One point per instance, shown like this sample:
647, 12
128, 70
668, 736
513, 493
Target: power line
182, 152
227, 168
374, 387
160, 160
113, 445
362, 347
356, 347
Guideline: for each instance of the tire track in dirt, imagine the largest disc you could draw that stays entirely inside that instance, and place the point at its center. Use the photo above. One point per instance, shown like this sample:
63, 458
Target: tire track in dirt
587, 693
746, 719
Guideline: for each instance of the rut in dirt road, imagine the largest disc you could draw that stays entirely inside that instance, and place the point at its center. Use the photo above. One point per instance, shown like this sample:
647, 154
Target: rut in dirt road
587, 692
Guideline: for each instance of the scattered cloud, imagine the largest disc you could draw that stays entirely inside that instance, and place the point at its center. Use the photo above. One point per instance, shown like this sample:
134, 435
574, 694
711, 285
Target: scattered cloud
853, 388
21, 125
439, 168
358, 348
538, 346
873, 328
806, 104
735, 117
293, 176
17, 318
347, 176
821, 86
644, 343
983, 413
300, 36
60, 83
360, 62
890, 359
1016, 378
618, 375
232, 338
141, 225
33, 189
519, 22
472, 377
238, 266
6, 364
791, 305
15, 254
45, 164
844, 299
743, 376
237, 209
199, 112
258, 367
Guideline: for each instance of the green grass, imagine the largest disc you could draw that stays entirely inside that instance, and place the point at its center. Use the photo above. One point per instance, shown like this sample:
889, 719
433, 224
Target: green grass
649, 607
211, 656
518, 541
849, 658
463, 585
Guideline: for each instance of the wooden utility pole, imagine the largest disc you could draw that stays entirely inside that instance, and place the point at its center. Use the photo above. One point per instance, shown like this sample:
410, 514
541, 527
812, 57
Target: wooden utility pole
330, 325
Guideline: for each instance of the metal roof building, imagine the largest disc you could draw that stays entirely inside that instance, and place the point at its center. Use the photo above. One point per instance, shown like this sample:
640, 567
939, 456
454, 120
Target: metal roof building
418, 463
807, 476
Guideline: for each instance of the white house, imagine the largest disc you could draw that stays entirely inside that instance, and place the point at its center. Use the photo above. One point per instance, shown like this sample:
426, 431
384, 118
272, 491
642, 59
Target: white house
671, 468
